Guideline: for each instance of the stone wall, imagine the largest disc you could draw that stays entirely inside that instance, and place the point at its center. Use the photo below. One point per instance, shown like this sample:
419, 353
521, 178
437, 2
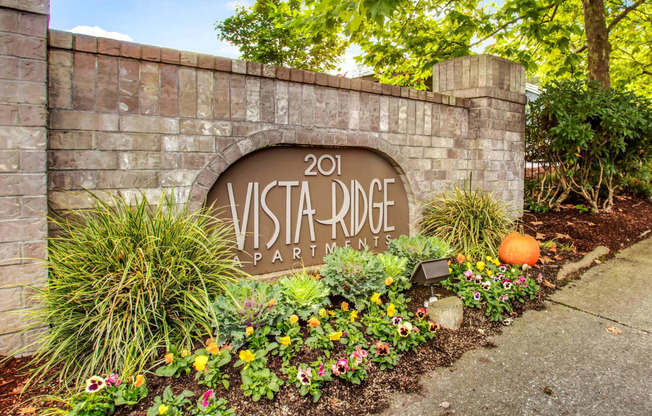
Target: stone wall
496, 143
124, 117
23, 191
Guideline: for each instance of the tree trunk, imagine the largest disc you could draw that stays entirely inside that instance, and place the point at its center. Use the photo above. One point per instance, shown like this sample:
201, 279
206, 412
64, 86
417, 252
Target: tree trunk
597, 41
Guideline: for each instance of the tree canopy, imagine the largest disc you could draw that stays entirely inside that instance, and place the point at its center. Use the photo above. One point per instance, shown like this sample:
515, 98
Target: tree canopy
401, 39
262, 34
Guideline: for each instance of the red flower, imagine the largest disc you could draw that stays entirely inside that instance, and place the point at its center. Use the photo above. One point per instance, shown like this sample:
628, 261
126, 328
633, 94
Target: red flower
383, 349
433, 326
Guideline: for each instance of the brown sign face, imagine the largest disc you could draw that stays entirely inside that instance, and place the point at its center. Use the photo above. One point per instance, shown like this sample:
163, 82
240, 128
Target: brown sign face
290, 206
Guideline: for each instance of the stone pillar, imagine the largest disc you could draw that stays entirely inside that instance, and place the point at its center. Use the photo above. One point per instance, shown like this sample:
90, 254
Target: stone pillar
496, 143
23, 185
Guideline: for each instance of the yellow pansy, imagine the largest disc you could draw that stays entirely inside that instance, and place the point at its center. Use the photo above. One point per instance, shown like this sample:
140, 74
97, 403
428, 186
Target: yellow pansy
345, 306
247, 356
323, 313
389, 281
335, 336
249, 330
285, 340
480, 265
200, 362
353, 316
391, 310
489, 273
163, 409
375, 298
294, 319
496, 262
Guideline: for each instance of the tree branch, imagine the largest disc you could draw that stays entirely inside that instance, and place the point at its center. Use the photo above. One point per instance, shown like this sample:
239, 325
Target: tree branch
622, 14
501, 28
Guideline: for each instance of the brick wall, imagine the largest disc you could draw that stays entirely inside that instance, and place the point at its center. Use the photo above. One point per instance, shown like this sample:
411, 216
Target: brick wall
125, 117
23, 192
496, 143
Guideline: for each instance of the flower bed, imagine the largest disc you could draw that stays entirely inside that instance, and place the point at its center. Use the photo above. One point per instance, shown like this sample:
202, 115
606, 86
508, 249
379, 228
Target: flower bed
370, 327
341, 396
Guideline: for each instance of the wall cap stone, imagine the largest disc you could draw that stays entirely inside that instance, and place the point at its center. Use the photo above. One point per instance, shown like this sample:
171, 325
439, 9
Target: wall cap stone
63, 40
34, 6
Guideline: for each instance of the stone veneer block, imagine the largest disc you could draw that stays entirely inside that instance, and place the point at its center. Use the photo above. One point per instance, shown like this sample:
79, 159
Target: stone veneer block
60, 39
108, 46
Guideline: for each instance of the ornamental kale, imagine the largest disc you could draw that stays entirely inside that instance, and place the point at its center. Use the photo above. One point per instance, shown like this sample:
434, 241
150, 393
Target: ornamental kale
353, 274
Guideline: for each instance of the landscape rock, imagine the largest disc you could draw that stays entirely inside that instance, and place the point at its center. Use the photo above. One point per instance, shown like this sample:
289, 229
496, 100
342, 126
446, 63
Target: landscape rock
569, 268
448, 312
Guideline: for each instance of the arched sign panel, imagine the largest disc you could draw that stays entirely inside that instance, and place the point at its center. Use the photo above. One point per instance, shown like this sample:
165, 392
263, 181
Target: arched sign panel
290, 206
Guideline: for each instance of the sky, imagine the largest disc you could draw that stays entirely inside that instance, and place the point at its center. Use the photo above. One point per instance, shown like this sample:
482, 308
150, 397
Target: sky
178, 24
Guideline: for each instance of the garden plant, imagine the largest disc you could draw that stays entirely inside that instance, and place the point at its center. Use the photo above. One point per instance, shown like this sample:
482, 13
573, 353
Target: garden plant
588, 140
470, 220
126, 280
350, 318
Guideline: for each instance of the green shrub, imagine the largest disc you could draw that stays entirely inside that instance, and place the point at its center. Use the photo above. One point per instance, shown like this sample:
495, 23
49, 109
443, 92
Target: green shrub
586, 136
303, 294
471, 221
638, 181
637, 186
353, 274
127, 280
248, 303
417, 249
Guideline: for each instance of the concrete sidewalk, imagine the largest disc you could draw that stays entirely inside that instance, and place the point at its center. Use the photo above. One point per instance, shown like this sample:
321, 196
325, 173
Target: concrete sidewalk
560, 361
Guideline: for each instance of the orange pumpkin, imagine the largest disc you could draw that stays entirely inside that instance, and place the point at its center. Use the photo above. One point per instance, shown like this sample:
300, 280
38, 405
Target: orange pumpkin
519, 249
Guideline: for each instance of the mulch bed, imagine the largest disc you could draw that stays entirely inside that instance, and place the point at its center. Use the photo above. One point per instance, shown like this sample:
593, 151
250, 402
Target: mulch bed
574, 234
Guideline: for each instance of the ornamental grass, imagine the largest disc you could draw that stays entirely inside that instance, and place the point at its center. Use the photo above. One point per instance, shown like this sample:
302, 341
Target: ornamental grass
471, 221
125, 280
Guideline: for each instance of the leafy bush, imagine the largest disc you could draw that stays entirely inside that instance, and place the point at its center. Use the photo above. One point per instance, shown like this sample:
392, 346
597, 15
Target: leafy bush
101, 397
638, 181
471, 221
170, 404
417, 249
304, 294
258, 381
248, 303
208, 406
587, 135
213, 376
353, 274
309, 379
127, 280
492, 283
